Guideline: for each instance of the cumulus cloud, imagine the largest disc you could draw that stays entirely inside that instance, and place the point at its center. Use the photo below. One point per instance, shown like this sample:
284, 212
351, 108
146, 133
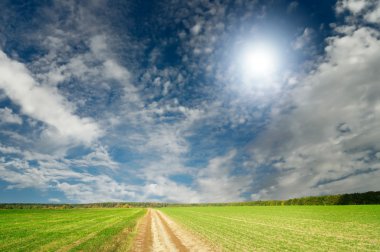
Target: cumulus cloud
368, 11
354, 6
328, 141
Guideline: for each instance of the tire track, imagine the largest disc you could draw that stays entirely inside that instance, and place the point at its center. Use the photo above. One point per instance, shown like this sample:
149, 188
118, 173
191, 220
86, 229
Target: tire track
157, 233
143, 240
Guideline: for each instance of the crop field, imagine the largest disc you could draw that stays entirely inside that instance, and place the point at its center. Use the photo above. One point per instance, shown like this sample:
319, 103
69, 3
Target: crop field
67, 229
221, 228
284, 228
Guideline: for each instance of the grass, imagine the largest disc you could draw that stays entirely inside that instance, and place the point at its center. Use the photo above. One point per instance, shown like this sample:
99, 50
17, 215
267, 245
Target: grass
284, 228
68, 229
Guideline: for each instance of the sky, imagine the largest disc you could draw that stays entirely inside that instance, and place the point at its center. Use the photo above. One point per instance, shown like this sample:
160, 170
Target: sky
188, 101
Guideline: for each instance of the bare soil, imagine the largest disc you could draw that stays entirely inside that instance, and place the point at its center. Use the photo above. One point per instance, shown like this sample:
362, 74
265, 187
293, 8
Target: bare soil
157, 232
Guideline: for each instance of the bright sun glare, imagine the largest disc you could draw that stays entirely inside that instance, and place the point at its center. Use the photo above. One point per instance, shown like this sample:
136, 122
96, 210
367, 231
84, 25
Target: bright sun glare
258, 62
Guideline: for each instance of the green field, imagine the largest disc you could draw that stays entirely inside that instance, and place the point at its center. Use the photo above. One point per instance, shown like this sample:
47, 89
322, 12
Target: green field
67, 230
231, 228
284, 228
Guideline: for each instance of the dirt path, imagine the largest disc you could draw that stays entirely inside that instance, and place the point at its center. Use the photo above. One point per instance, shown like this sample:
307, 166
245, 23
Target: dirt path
157, 232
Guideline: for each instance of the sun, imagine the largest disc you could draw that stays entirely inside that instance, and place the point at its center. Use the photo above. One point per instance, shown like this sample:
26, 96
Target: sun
258, 61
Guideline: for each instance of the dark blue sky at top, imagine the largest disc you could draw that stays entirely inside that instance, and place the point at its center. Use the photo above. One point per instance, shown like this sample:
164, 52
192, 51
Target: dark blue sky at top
160, 81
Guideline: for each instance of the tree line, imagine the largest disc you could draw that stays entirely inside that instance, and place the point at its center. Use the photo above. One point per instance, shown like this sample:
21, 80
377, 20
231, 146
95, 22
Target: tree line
367, 198
88, 205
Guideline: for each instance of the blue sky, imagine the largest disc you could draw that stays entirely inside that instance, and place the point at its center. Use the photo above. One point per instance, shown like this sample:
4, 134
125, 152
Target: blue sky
188, 101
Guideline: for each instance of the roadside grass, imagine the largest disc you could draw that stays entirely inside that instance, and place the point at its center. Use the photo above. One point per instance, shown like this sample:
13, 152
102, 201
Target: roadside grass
68, 229
284, 228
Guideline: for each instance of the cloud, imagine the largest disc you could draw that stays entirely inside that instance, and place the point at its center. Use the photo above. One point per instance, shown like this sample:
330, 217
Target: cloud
18, 173
292, 7
368, 11
326, 139
9, 150
54, 200
151, 117
7, 116
218, 183
44, 103
196, 29
354, 6
67, 93
23, 169
97, 158
374, 15
100, 188
166, 190
304, 39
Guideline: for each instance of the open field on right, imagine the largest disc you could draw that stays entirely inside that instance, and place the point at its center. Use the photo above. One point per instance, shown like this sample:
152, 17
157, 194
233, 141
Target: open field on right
306, 228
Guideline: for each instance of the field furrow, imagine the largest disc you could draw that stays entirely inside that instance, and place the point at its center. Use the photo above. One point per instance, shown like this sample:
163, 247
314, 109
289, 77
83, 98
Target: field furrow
293, 228
67, 230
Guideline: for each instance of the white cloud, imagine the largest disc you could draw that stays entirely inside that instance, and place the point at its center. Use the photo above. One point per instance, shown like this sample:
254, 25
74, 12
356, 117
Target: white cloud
327, 142
329, 128
98, 158
354, 6
75, 54
111, 69
304, 39
374, 15
217, 183
99, 188
49, 173
115, 71
44, 103
169, 191
9, 150
18, 173
7, 116
369, 10
196, 29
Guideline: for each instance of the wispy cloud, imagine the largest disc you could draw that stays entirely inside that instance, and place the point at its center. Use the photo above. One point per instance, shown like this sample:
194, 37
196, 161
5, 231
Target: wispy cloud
7, 116
218, 183
44, 103
100, 103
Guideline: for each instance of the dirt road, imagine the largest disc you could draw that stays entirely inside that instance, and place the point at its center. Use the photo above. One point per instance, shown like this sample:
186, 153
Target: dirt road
157, 232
